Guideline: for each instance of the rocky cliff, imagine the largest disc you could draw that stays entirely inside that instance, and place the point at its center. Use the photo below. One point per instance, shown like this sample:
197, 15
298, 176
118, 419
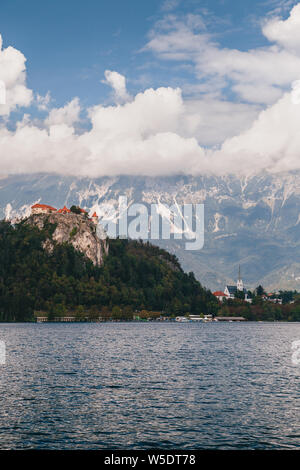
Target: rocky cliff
75, 229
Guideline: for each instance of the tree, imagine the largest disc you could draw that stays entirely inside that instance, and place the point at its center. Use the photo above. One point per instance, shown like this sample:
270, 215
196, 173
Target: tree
260, 291
75, 210
134, 276
116, 313
240, 295
287, 296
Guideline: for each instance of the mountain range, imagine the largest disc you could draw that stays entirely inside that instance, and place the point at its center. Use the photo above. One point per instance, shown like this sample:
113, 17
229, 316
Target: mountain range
250, 221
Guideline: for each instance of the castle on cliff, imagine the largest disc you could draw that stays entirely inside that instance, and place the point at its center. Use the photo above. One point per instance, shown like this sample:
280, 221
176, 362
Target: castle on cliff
46, 209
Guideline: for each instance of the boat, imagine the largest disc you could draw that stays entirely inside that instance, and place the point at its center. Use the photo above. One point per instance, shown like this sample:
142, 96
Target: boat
182, 319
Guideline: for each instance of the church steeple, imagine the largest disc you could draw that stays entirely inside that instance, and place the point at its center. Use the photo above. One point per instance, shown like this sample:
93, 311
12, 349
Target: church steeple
240, 284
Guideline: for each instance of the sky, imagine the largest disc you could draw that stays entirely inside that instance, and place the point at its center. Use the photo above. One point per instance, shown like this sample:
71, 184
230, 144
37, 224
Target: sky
150, 88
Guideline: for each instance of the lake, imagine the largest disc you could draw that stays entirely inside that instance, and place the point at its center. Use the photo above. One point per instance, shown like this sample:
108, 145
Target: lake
149, 385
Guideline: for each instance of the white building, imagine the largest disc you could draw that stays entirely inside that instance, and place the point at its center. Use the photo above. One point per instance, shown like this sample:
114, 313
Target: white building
220, 295
272, 298
42, 209
231, 291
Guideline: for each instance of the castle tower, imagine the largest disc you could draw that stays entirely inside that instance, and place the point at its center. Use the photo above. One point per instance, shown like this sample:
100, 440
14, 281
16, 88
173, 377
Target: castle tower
95, 218
240, 284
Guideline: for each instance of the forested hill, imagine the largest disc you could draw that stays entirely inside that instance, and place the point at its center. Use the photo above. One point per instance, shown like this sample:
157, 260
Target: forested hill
134, 277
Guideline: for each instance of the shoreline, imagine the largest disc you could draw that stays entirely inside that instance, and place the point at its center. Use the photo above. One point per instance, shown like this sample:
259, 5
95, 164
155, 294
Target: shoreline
145, 321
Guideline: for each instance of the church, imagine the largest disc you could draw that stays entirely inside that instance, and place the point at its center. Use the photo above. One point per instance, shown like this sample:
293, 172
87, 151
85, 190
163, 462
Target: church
231, 291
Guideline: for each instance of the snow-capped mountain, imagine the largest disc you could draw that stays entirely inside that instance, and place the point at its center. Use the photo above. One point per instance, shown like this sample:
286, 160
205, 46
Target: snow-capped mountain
253, 221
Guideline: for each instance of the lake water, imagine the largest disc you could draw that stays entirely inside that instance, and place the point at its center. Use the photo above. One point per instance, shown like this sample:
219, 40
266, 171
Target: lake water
149, 385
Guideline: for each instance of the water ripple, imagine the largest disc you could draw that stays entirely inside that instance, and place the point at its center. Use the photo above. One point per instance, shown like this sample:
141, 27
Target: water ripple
141, 386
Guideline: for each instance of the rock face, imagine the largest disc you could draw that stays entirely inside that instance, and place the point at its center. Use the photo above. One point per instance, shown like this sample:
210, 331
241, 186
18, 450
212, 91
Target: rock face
75, 229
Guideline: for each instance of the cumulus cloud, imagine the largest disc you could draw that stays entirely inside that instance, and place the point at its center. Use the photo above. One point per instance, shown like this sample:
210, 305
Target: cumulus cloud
68, 115
212, 120
118, 84
43, 102
285, 33
140, 137
259, 75
151, 135
161, 132
272, 142
13, 80
296, 92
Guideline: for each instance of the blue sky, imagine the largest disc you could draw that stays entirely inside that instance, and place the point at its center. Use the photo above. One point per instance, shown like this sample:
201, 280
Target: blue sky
149, 87
69, 44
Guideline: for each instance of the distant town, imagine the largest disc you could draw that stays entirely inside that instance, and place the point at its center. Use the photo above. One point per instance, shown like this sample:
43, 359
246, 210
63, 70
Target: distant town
238, 291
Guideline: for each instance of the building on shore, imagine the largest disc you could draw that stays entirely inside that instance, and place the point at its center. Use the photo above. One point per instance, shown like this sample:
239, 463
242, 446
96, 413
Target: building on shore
220, 295
273, 298
195, 318
68, 319
204, 318
231, 292
231, 319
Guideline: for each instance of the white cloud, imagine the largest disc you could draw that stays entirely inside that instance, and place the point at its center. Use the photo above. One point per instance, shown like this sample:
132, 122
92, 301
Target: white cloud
67, 115
259, 75
169, 5
153, 135
140, 137
212, 120
13, 76
272, 142
43, 102
267, 94
296, 92
158, 132
286, 33
118, 84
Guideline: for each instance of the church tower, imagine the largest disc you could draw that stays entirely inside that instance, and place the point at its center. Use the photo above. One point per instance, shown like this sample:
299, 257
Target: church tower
239, 284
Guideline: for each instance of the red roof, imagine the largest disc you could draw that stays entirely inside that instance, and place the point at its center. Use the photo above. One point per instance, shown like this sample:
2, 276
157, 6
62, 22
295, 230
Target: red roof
43, 206
219, 293
64, 209
94, 214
